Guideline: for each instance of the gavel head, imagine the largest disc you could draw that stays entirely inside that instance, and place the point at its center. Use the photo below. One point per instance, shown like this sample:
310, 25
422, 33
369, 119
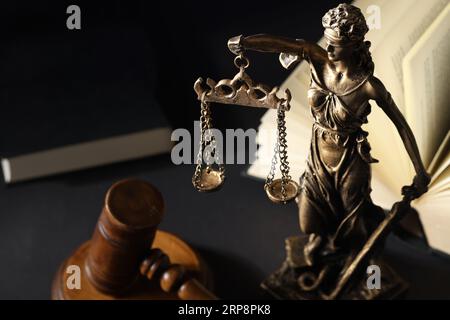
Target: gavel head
123, 235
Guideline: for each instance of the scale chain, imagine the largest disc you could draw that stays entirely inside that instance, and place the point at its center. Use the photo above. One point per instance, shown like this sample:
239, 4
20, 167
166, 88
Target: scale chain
280, 150
207, 139
203, 125
284, 164
271, 174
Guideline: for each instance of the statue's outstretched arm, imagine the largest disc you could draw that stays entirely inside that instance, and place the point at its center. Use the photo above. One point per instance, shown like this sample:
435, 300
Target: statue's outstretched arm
275, 44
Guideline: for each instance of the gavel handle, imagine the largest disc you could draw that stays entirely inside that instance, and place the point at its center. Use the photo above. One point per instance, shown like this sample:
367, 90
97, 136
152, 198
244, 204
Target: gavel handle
173, 277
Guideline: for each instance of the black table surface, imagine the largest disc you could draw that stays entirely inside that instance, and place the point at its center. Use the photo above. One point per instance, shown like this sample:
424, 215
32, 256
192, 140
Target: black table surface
237, 230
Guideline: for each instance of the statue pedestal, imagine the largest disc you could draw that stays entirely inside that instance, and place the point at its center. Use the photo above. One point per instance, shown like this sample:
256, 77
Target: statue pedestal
283, 283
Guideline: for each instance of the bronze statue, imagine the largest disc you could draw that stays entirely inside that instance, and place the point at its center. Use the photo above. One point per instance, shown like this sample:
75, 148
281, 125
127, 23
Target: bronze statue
344, 227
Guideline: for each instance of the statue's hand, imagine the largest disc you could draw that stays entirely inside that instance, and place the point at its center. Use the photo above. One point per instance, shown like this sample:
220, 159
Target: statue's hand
235, 45
419, 186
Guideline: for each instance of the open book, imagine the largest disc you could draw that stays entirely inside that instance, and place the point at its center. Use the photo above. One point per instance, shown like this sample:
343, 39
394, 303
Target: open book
410, 52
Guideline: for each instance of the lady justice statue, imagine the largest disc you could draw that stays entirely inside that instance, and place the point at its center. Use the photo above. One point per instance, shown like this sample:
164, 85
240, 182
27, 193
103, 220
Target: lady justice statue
344, 229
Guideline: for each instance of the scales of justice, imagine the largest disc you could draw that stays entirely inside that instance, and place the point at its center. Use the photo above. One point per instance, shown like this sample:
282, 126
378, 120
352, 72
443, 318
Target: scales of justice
343, 230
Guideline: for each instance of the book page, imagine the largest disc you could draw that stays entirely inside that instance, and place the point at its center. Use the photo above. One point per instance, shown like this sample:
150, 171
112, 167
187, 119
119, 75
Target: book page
441, 159
395, 167
410, 25
440, 184
426, 72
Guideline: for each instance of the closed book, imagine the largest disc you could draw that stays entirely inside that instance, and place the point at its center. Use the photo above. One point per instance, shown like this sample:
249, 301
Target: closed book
75, 99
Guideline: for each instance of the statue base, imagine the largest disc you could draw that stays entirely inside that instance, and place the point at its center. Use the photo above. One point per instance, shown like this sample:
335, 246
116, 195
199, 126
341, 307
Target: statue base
283, 283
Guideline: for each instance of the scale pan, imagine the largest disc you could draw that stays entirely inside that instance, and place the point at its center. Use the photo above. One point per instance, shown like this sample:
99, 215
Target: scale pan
210, 180
273, 191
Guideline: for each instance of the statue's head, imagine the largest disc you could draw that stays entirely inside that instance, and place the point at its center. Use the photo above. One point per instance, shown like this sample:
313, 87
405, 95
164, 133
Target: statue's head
345, 28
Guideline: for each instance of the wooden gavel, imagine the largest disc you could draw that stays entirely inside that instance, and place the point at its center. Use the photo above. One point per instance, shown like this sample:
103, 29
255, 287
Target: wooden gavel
173, 277
118, 262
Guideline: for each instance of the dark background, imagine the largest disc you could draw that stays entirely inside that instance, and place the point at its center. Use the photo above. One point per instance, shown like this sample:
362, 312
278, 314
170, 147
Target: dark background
189, 39
238, 231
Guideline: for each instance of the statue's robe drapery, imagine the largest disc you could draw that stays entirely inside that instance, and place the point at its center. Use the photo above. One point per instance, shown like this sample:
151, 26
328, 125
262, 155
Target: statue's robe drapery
339, 193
